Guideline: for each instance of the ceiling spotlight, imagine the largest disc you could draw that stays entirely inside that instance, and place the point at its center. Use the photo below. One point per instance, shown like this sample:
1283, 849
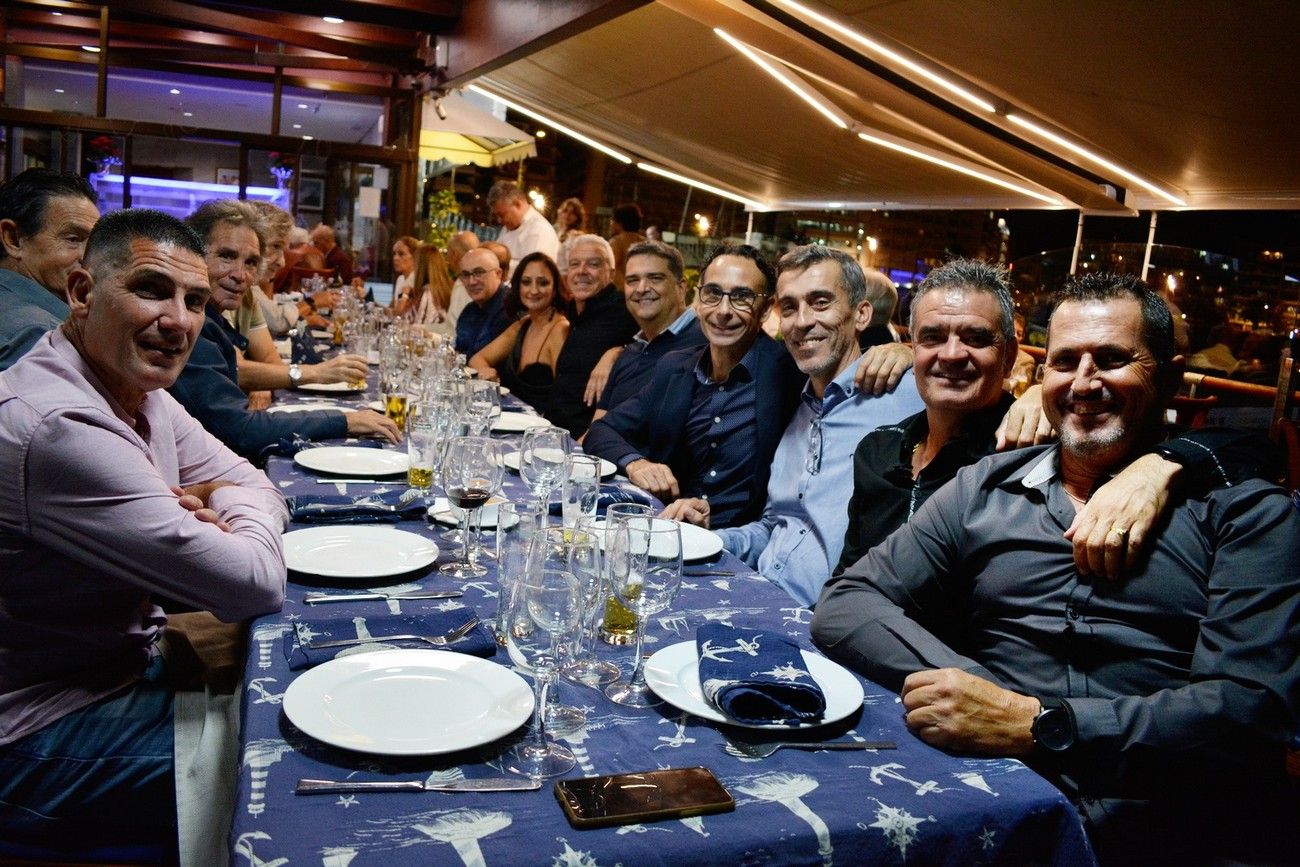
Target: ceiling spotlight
174, 91
59, 90
302, 105
297, 126
93, 49
541, 133
308, 138
330, 19
56, 13
189, 114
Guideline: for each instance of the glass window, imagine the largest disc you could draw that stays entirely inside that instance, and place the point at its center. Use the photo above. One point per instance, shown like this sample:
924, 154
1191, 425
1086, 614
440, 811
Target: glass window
189, 100
326, 116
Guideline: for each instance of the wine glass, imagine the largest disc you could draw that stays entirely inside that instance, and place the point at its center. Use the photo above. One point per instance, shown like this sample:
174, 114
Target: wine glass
541, 460
618, 626
646, 570
581, 489
587, 566
554, 605
471, 473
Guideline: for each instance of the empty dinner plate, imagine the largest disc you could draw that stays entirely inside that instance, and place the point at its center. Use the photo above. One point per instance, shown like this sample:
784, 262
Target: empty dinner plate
408, 702
357, 551
674, 675
517, 422
697, 542
607, 468
331, 387
353, 460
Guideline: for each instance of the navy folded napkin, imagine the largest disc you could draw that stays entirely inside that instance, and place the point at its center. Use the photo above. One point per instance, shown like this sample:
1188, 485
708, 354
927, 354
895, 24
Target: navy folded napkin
302, 347
757, 677
479, 641
610, 495
360, 509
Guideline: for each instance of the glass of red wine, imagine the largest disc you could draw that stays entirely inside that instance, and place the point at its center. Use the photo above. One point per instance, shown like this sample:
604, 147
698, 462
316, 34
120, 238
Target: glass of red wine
471, 474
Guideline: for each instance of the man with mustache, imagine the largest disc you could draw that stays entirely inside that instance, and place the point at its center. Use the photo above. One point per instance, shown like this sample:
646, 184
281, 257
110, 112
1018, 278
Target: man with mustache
115, 494
1161, 703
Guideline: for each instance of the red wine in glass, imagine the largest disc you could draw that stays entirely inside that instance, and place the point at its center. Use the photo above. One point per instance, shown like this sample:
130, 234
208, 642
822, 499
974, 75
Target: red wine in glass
468, 498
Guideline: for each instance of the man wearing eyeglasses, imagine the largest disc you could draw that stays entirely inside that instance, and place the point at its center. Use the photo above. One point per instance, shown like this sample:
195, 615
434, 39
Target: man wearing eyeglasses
485, 317
702, 432
825, 300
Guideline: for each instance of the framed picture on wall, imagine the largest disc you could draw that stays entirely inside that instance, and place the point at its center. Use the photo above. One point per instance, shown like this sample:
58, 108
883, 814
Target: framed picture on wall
228, 176
311, 193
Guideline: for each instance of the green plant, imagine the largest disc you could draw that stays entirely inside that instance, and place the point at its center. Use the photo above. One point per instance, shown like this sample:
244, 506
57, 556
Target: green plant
442, 207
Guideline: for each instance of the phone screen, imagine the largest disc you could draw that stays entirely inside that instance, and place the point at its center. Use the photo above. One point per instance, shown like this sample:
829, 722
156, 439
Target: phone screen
620, 799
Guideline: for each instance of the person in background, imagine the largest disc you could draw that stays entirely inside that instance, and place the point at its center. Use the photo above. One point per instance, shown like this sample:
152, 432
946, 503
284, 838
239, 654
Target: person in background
208, 386
324, 240
570, 220
598, 321
502, 252
432, 292
626, 226
523, 229
523, 357
481, 321
45, 218
116, 494
701, 434
405, 252
1161, 704
279, 316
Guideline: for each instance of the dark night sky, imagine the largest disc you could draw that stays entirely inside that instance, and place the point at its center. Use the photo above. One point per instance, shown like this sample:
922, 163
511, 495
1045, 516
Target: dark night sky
1235, 233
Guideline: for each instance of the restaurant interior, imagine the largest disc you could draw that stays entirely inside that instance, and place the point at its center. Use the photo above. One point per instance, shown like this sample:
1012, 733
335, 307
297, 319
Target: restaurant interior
903, 132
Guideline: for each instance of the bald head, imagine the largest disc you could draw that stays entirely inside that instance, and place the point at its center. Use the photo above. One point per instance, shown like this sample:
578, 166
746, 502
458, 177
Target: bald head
480, 273
458, 245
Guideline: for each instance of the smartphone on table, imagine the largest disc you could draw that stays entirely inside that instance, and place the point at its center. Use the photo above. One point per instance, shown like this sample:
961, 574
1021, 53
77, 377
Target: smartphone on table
648, 796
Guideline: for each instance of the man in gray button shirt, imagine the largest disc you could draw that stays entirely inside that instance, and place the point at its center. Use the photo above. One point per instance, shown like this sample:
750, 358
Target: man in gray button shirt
1162, 702
45, 219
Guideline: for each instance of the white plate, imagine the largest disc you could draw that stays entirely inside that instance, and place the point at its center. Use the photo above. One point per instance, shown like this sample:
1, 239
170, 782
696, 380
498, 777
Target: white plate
303, 407
322, 334
330, 386
356, 551
408, 702
607, 468
443, 512
697, 542
674, 675
517, 422
353, 460
376, 405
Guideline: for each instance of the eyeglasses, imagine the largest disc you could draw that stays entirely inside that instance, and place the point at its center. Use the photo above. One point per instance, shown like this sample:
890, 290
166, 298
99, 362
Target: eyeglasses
741, 299
476, 274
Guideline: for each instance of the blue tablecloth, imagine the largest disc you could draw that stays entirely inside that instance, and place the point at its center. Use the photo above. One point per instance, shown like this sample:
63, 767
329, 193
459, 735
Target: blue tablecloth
914, 804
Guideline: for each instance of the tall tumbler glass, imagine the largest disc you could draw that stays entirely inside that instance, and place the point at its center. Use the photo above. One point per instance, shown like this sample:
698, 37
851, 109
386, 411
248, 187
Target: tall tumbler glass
581, 488
619, 625
646, 567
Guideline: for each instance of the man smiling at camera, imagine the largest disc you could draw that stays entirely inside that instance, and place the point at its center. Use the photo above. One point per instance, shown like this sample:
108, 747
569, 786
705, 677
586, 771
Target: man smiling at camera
116, 494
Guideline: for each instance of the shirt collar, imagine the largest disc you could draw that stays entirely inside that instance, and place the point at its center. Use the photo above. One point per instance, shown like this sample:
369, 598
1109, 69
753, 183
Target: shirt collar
838, 390
744, 371
680, 324
1042, 471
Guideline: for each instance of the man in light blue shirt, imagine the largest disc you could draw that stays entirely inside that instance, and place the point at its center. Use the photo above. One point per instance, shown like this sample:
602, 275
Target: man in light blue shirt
824, 300
45, 218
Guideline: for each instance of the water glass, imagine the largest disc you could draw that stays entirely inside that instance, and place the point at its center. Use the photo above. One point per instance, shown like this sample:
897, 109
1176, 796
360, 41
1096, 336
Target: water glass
482, 400
581, 488
423, 446
618, 627
589, 568
541, 460
516, 524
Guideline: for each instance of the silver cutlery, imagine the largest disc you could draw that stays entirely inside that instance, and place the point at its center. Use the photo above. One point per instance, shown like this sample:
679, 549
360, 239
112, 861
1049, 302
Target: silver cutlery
708, 573
354, 481
437, 640
762, 751
314, 598
492, 784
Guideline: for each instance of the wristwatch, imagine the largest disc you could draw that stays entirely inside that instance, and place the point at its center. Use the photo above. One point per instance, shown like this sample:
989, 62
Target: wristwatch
1054, 728
295, 375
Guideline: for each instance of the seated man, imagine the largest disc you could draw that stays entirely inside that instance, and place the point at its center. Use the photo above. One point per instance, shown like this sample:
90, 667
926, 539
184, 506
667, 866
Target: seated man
45, 218
1162, 703
655, 293
598, 322
706, 425
324, 240
484, 318
208, 387
114, 494
824, 301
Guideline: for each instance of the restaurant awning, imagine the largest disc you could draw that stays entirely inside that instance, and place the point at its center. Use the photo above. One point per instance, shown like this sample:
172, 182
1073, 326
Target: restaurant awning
1107, 106
462, 133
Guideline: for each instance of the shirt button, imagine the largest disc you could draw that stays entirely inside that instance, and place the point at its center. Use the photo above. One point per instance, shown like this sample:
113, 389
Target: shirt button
717, 419
713, 445
712, 473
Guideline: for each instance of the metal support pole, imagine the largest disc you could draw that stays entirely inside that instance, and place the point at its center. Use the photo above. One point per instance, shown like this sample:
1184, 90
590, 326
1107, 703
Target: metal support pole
1151, 240
686, 206
1078, 245
749, 229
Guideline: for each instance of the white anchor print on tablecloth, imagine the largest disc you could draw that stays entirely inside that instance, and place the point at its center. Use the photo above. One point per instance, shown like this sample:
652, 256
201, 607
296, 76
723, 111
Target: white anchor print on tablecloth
264, 696
742, 645
244, 847
890, 771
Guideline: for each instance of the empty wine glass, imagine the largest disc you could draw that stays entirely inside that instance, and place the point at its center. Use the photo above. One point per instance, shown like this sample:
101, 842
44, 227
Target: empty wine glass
554, 605
541, 460
587, 566
581, 489
481, 401
646, 572
472, 470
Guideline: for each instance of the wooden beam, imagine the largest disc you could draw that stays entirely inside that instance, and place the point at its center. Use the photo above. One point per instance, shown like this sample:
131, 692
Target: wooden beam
410, 15
494, 33
253, 57
101, 79
277, 95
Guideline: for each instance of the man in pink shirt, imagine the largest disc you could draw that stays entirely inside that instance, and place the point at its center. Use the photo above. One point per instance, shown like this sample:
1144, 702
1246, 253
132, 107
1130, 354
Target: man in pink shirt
113, 494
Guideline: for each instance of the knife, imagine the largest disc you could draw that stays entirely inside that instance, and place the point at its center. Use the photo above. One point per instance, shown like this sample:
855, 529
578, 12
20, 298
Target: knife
313, 598
489, 784
354, 481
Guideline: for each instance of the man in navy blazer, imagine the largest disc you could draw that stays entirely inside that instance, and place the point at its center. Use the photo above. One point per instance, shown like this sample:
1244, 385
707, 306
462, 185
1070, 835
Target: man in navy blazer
702, 432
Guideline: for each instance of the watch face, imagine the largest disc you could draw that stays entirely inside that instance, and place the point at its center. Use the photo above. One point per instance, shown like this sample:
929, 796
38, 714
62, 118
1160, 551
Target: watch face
1053, 729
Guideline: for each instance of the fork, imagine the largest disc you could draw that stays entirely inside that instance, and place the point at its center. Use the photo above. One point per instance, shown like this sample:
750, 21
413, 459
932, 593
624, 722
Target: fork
762, 751
436, 640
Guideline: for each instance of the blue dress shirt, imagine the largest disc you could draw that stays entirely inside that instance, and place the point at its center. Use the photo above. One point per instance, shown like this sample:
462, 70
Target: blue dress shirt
632, 370
478, 326
721, 430
27, 311
797, 541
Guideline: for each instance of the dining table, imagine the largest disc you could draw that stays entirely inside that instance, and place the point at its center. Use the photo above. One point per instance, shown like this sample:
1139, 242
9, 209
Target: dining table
911, 804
